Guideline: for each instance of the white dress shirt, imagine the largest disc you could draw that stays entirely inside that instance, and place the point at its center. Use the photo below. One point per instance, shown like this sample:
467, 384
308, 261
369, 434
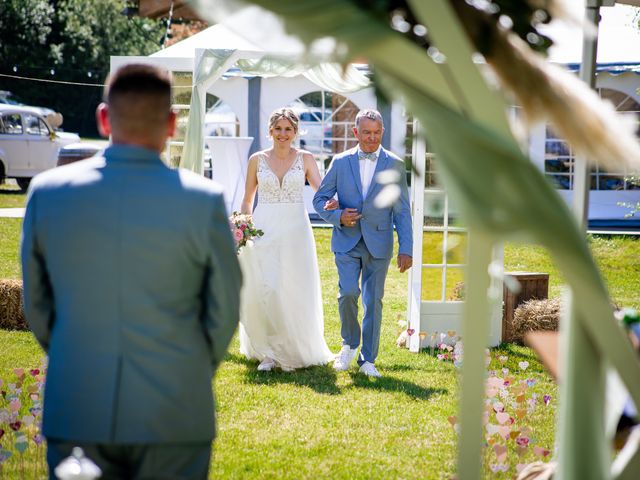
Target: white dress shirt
367, 169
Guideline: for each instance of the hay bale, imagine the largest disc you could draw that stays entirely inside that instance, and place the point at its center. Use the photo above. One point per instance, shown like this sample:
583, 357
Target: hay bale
11, 306
535, 315
458, 293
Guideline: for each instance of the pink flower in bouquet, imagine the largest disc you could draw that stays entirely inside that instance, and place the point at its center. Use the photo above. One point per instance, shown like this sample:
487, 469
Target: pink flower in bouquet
242, 229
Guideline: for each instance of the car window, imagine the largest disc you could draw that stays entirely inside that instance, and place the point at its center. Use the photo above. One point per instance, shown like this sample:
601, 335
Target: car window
11, 124
44, 129
35, 125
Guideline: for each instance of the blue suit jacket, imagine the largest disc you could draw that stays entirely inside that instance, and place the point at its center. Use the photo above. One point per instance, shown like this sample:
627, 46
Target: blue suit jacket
131, 285
376, 224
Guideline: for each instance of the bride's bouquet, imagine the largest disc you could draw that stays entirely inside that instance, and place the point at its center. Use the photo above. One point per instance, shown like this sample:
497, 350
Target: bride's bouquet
242, 229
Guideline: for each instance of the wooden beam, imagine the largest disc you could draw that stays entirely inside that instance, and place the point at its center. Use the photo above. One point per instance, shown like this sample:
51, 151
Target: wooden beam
160, 8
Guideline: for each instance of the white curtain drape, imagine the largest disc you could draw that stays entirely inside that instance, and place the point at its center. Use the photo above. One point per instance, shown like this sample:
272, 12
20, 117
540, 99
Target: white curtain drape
211, 64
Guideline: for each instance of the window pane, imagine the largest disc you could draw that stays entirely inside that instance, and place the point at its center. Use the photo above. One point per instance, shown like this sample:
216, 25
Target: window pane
326, 124
457, 247
611, 182
12, 124
182, 88
561, 182
182, 119
32, 125
559, 156
455, 284
557, 147
558, 165
431, 174
44, 130
434, 204
431, 284
175, 155
432, 247
220, 120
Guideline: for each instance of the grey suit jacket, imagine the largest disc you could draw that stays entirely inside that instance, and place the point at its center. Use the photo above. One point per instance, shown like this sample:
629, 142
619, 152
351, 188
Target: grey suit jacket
131, 285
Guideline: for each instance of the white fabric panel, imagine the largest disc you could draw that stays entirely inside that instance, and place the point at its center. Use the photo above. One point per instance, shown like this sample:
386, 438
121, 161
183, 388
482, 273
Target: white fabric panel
229, 160
234, 92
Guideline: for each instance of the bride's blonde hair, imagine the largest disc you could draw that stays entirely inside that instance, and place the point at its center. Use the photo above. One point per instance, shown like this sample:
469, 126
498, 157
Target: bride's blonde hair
285, 113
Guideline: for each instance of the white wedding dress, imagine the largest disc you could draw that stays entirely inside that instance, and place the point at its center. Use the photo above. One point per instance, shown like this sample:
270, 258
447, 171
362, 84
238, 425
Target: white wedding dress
281, 304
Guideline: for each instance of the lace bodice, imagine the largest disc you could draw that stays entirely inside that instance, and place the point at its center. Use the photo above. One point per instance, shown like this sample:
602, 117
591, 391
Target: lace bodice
269, 188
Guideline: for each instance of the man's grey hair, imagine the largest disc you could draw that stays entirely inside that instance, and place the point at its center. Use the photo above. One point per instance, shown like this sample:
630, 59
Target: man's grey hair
370, 114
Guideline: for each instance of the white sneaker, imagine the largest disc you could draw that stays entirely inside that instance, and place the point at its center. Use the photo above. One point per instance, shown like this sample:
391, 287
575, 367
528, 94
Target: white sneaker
344, 358
267, 365
369, 369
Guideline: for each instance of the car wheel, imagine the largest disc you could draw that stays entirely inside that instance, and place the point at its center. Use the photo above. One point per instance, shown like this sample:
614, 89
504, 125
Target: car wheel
23, 183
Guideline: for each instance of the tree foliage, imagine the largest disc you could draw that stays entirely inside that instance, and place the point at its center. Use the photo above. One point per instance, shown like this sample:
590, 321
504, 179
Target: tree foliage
74, 39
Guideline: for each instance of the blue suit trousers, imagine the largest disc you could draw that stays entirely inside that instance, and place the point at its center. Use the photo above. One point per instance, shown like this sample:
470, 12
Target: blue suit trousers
358, 262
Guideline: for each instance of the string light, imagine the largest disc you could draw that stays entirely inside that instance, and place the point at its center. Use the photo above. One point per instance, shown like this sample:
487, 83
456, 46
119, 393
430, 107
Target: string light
167, 33
44, 80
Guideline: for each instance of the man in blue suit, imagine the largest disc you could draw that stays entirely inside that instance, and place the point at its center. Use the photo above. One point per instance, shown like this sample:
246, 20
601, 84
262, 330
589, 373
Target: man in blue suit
362, 239
131, 285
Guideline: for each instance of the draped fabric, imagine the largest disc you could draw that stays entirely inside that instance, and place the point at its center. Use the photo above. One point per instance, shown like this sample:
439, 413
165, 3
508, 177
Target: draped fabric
211, 64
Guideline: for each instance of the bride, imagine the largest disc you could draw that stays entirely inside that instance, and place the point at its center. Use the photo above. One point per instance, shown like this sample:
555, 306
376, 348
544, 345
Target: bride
281, 320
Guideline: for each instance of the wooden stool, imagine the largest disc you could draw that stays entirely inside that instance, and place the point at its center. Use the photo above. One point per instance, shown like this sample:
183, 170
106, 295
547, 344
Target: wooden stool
533, 286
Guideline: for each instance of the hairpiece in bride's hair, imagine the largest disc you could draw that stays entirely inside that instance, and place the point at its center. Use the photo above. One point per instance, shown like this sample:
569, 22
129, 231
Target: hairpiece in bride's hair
285, 113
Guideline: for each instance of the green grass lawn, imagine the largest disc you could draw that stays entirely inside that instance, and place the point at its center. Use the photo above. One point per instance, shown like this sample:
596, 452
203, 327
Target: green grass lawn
318, 423
11, 196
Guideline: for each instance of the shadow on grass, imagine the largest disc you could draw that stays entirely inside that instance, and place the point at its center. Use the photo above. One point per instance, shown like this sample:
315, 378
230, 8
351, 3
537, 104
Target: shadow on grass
391, 384
321, 378
399, 368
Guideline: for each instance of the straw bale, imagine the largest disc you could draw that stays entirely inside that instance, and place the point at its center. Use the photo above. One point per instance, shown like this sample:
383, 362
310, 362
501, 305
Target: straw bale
458, 292
11, 306
535, 315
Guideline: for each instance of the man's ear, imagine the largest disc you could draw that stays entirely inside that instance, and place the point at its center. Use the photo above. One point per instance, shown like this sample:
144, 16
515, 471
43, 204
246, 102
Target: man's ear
102, 119
355, 131
172, 123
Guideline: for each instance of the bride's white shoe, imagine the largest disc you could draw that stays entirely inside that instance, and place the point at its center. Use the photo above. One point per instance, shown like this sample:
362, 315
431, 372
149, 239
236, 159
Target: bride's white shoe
267, 364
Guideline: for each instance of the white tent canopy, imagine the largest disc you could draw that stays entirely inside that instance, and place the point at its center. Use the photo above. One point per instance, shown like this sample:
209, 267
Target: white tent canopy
253, 83
217, 36
618, 36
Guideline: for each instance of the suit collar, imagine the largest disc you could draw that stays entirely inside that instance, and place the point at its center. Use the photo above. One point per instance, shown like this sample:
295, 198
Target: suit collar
381, 164
120, 153
354, 161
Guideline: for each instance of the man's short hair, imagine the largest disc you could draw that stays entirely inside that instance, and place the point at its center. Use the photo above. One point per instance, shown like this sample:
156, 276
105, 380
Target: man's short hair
139, 96
369, 114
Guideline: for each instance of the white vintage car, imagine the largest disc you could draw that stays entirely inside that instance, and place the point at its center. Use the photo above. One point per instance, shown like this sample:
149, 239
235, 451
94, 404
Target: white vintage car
28, 144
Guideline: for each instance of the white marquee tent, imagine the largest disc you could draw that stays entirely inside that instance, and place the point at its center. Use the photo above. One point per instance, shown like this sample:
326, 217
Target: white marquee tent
252, 84
252, 96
